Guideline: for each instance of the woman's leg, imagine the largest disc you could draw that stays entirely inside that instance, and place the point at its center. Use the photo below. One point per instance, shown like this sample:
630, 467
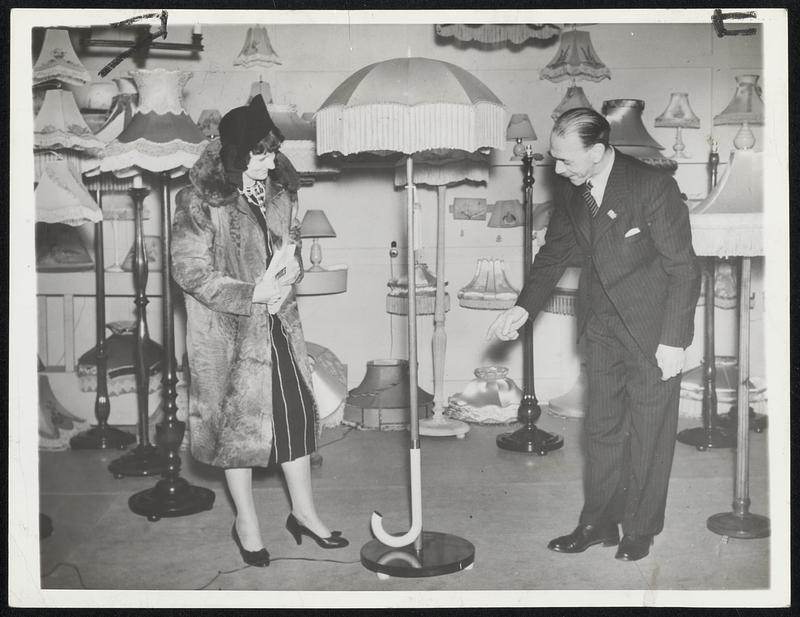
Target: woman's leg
298, 480
240, 485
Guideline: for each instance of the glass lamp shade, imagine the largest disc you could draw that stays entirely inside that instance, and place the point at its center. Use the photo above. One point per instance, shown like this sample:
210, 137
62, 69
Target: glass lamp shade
59, 125
678, 113
61, 198
573, 99
257, 50
575, 59
161, 136
316, 225
629, 135
58, 61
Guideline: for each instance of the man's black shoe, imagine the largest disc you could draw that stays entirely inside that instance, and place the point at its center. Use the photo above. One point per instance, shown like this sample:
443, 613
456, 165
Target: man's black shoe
633, 548
585, 536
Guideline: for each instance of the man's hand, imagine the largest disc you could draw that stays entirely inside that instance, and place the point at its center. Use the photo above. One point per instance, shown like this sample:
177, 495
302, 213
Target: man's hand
267, 290
670, 360
507, 323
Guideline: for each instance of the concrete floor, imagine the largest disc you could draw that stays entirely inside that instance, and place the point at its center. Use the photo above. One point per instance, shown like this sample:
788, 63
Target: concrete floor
508, 505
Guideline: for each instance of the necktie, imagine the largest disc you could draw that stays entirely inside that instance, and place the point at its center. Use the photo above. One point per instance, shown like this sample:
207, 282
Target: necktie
591, 204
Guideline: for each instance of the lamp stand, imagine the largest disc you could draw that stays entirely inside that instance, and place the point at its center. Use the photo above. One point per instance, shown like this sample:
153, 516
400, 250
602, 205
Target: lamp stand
711, 434
529, 438
744, 140
740, 523
678, 147
315, 256
172, 495
101, 436
437, 425
144, 459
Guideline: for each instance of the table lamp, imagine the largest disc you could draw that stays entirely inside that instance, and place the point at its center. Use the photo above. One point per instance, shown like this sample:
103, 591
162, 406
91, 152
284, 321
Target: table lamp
745, 108
519, 129
678, 115
316, 225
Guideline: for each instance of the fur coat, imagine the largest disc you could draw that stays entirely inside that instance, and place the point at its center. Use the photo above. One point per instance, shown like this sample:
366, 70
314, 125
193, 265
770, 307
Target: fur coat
218, 252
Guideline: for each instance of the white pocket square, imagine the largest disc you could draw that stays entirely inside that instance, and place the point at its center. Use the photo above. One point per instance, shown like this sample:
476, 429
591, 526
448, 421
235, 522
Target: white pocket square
632, 232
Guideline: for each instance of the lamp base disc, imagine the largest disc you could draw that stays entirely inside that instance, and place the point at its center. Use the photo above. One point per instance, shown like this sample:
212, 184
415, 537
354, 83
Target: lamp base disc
702, 439
155, 503
442, 427
729, 421
144, 460
743, 527
102, 438
530, 440
441, 553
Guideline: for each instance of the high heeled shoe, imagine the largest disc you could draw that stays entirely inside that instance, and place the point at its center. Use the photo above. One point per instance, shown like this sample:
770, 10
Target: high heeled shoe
335, 540
259, 558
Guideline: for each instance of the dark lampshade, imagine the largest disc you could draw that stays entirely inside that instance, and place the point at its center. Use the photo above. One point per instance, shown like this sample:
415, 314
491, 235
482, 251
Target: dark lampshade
519, 128
575, 59
316, 225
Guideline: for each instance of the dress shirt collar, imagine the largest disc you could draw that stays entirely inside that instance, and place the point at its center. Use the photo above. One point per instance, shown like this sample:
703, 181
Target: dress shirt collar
600, 180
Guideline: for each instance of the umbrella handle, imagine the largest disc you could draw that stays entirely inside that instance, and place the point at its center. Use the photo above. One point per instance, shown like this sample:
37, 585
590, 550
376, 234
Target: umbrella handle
416, 510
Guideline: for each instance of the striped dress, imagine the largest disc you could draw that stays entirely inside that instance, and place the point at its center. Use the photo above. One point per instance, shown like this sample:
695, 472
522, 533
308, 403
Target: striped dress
292, 402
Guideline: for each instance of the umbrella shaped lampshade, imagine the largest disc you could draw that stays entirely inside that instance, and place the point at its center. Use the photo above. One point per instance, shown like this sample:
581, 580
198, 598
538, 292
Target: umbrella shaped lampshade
575, 59
257, 50
161, 136
60, 125
409, 105
57, 61
61, 198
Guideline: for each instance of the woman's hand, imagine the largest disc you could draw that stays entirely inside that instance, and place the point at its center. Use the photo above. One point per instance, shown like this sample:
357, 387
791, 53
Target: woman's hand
267, 290
290, 274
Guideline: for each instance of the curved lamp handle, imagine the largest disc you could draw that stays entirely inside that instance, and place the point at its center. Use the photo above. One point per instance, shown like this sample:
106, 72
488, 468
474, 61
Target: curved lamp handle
416, 510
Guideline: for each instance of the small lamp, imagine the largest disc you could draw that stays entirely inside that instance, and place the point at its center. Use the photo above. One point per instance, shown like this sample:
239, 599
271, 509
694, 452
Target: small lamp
519, 128
745, 108
316, 225
257, 50
679, 115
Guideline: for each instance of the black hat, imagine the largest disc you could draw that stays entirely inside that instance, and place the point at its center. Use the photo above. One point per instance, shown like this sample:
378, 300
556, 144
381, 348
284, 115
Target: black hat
241, 129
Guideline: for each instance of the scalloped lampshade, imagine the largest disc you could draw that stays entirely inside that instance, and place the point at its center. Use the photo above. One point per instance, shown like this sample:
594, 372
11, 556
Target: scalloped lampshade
575, 59
257, 50
161, 136
58, 61
59, 124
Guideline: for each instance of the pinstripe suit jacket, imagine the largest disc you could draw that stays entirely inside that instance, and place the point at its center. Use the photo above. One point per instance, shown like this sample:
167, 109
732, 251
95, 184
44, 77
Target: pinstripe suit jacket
651, 277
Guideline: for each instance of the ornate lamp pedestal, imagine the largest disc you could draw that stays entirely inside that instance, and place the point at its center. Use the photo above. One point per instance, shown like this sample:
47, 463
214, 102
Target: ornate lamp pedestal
529, 438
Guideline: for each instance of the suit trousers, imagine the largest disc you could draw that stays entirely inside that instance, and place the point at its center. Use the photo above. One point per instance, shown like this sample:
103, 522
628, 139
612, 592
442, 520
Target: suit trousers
630, 428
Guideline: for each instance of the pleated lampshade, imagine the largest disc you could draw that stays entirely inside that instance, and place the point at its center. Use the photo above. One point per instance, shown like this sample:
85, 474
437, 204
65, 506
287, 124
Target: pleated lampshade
575, 59
60, 197
58, 61
257, 50
161, 136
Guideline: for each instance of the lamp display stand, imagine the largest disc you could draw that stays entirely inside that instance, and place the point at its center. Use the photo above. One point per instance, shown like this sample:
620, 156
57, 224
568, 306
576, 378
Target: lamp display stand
172, 495
710, 434
144, 459
438, 425
741, 523
416, 553
101, 436
529, 438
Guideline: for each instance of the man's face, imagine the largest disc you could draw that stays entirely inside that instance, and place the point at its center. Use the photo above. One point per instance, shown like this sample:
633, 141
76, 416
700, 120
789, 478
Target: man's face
573, 160
259, 165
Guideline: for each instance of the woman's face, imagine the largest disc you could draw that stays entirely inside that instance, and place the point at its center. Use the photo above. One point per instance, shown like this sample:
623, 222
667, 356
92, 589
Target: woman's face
259, 165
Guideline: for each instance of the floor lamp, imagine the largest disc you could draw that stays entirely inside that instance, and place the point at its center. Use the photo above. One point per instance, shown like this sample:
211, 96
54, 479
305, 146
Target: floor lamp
529, 438
391, 106
161, 139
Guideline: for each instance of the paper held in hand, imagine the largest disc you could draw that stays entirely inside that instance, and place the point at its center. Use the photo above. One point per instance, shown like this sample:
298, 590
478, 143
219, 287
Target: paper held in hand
281, 258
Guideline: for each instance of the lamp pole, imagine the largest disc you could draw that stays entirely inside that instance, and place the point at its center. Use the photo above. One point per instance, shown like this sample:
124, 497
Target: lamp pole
529, 438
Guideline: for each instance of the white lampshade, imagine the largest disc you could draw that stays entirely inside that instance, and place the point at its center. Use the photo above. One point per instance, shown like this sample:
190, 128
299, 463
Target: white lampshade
59, 124
257, 50
61, 198
58, 61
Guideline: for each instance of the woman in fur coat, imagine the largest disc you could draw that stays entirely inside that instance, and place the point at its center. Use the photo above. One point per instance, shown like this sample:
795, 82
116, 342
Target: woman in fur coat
250, 396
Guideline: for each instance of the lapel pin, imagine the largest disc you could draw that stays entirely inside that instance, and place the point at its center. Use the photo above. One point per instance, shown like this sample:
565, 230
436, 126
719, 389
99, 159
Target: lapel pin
611, 214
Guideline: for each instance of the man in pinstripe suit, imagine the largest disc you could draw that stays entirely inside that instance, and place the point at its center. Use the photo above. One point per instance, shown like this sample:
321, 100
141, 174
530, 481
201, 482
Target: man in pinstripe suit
625, 223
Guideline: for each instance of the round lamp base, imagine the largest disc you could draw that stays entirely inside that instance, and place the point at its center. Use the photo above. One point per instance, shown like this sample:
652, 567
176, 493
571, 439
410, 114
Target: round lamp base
102, 438
744, 527
439, 426
703, 439
530, 440
165, 500
441, 553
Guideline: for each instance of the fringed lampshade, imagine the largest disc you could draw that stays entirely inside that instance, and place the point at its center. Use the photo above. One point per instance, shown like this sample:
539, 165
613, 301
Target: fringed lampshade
629, 136
745, 108
451, 167
257, 50
573, 99
59, 125
161, 136
678, 115
61, 198
58, 61
496, 34
575, 59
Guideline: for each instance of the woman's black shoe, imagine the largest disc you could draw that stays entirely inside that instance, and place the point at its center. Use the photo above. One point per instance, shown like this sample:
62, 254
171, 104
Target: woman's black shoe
335, 540
259, 559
